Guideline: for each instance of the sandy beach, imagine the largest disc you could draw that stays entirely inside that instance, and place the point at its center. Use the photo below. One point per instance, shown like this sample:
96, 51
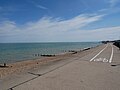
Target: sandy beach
19, 67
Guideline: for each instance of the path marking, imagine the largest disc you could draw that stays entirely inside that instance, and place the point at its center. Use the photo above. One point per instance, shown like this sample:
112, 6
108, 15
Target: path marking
101, 60
99, 53
105, 60
111, 57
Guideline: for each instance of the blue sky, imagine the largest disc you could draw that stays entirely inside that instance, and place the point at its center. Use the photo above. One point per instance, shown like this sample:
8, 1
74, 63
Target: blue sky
59, 20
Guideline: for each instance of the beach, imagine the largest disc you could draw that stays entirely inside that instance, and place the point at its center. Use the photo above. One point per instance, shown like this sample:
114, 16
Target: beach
19, 57
18, 67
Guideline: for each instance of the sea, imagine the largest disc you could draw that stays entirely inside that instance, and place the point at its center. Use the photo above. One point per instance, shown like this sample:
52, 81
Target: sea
16, 52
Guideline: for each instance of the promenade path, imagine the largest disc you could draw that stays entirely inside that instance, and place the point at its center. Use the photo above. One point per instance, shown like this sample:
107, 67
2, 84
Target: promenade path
97, 70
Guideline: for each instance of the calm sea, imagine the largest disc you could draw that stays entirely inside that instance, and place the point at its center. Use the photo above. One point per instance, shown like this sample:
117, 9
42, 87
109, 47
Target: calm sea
14, 52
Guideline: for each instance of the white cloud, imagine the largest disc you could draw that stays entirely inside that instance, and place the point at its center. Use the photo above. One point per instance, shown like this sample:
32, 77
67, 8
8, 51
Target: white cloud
107, 33
113, 2
37, 5
109, 11
41, 7
7, 28
50, 29
63, 25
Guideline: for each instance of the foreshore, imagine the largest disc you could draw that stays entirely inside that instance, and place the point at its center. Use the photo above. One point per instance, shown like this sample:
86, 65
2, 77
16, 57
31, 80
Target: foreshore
18, 67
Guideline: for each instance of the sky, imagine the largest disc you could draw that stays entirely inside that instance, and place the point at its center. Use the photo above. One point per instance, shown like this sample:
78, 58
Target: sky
59, 20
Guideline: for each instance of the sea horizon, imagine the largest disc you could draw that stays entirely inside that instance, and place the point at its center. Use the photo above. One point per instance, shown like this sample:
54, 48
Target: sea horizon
52, 42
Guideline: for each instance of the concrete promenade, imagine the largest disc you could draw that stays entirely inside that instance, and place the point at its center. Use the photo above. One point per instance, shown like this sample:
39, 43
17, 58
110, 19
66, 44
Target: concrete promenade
97, 70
